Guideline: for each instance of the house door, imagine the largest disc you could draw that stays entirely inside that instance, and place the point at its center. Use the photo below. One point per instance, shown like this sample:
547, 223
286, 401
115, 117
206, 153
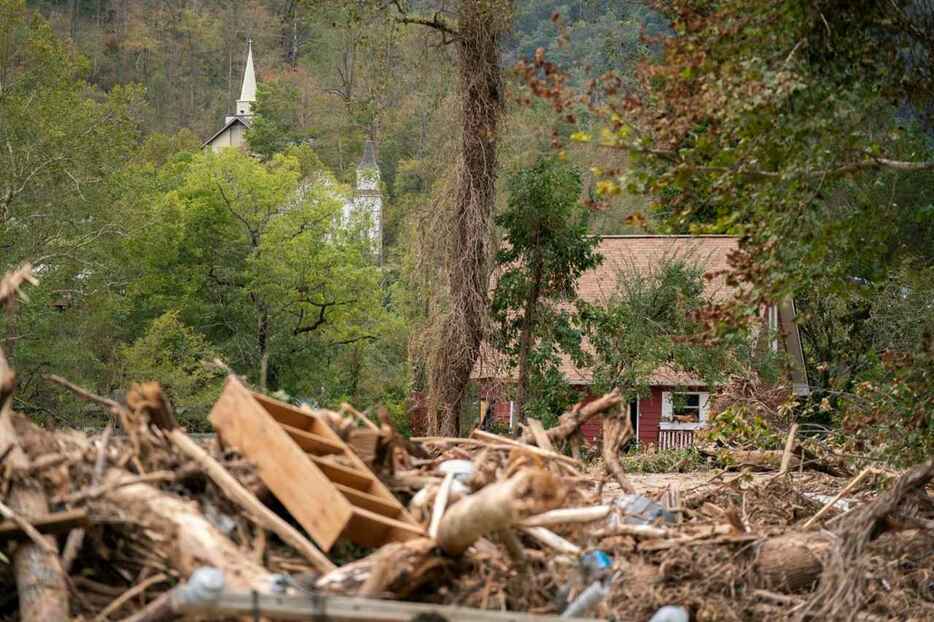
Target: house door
634, 421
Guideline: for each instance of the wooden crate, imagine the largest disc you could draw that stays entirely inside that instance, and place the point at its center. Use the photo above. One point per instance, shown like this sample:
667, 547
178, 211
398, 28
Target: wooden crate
306, 465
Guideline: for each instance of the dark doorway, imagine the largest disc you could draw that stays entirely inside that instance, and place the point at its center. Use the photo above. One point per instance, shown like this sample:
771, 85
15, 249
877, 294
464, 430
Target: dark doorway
634, 421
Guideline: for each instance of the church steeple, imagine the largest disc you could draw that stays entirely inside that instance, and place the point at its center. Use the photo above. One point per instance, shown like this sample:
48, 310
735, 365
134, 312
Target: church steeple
248, 90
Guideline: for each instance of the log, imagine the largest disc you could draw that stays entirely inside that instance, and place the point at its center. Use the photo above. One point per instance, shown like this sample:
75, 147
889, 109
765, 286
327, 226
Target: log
40, 578
791, 562
497, 507
184, 536
397, 568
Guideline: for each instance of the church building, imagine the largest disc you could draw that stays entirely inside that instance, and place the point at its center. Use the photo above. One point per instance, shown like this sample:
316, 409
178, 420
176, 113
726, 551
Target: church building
366, 204
233, 134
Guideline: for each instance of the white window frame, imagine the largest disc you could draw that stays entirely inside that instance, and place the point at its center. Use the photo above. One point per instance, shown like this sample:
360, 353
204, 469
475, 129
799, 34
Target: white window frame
668, 411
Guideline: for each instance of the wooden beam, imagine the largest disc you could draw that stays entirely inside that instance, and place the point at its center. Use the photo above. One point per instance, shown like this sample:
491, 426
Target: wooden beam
346, 609
502, 440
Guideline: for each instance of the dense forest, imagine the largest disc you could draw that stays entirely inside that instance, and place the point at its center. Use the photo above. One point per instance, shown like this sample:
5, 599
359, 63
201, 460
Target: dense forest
804, 127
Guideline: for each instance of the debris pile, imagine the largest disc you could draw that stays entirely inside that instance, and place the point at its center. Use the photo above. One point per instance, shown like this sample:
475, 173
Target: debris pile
295, 513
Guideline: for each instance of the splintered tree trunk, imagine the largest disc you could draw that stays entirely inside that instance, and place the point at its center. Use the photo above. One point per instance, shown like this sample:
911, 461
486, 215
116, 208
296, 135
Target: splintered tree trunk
480, 23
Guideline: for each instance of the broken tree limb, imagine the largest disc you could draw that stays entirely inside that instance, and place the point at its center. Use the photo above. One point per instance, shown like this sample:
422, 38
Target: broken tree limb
569, 422
256, 510
502, 440
616, 431
563, 516
124, 598
853, 483
59, 522
440, 505
541, 437
76, 538
552, 540
497, 507
789, 448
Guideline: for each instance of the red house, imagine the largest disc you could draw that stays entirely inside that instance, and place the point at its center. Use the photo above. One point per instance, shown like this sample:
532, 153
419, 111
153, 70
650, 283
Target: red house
678, 403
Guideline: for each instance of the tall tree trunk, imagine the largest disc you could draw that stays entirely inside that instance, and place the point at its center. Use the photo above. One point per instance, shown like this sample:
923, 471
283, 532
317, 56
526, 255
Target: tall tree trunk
480, 24
525, 337
263, 344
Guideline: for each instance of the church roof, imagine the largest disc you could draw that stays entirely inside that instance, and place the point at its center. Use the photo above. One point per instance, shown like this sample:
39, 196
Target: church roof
244, 121
248, 91
369, 155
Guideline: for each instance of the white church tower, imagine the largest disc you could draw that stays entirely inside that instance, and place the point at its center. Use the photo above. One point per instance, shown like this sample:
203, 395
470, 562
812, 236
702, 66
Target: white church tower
233, 134
367, 198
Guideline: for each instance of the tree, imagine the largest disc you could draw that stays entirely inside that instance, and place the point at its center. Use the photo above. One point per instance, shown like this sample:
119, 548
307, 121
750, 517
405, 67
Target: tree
546, 251
649, 324
479, 27
252, 257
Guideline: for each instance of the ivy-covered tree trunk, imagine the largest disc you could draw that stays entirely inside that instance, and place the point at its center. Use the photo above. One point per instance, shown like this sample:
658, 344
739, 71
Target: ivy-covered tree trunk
480, 24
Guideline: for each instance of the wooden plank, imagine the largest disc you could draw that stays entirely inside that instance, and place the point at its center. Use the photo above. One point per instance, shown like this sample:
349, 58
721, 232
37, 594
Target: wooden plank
312, 443
341, 474
294, 479
364, 443
541, 437
55, 523
370, 502
320, 606
372, 529
285, 413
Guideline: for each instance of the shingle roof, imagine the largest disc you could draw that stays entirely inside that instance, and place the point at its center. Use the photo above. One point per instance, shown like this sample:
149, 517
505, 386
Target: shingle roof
643, 254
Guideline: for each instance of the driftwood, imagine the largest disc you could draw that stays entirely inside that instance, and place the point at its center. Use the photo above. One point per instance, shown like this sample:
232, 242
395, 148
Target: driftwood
563, 516
182, 533
59, 522
497, 507
398, 568
40, 578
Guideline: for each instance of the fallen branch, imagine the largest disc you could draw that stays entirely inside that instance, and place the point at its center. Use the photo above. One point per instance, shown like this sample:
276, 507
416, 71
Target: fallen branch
827, 506
564, 516
124, 598
497, 507
552, 540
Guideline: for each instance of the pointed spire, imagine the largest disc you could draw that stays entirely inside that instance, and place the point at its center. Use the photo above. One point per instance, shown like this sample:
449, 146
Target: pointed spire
248, 90
369, 155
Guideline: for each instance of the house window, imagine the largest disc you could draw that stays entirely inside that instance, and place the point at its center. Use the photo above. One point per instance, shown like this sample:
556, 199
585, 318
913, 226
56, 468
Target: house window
684, 409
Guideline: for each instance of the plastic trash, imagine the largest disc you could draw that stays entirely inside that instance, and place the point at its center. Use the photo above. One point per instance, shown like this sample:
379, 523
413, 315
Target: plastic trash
587, 600
639, 510
670, 613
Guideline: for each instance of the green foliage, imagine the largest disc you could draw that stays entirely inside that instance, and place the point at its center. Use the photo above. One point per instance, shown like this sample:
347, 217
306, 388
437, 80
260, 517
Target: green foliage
546, 249
175, 355
739, 426
648, 324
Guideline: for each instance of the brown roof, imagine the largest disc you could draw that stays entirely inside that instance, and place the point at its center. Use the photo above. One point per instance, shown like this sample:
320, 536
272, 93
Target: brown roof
644, 254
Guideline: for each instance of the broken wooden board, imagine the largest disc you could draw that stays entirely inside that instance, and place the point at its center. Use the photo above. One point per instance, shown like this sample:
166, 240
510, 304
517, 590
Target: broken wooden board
318, 478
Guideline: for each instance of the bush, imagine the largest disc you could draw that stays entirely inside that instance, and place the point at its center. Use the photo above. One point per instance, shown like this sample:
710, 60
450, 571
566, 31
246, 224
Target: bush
172, 353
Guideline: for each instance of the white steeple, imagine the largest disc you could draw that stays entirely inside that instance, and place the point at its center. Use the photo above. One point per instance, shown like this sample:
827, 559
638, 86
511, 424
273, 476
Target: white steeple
367, 199
248, 91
